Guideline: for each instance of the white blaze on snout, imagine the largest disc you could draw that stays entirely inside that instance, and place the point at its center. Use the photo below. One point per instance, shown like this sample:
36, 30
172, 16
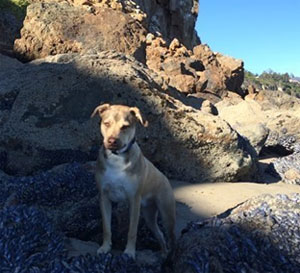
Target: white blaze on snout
115, 181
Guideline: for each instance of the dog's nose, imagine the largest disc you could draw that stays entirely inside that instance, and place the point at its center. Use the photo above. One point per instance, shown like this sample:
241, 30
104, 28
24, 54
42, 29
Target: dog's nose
112, 140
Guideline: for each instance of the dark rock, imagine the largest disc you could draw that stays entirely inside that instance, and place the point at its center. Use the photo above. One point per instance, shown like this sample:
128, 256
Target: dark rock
261, 235
10, 25
288, 168
42, 211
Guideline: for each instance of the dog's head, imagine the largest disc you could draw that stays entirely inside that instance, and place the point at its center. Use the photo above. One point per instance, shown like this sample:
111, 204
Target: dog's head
118, 124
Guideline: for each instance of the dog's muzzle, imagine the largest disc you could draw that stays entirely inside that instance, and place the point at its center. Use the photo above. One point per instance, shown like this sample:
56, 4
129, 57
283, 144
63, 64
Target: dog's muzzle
117, 150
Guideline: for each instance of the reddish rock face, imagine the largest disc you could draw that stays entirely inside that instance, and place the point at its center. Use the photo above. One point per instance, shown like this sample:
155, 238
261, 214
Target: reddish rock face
194, 72
56, 26
226, 73
90, 26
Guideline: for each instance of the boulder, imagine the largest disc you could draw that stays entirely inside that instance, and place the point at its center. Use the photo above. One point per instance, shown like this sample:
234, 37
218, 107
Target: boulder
288, 167
49, 101
52, 28
128, 7
172, 63
247, 118
260, 235
225, 73
185, 83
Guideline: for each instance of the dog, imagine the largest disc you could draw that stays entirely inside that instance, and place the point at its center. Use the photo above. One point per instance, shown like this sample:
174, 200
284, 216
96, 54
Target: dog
123, 173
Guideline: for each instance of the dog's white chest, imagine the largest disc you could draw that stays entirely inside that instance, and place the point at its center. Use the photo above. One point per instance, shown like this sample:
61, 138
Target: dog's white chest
117, 184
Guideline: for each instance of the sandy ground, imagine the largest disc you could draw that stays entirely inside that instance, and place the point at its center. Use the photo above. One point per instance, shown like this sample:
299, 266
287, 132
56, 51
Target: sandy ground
199, 201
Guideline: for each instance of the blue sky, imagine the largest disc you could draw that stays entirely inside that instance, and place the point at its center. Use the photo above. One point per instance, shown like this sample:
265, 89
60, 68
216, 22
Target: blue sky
263, 33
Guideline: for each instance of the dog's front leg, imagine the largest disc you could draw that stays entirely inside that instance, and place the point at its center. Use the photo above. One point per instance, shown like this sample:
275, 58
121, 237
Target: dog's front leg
105, 205
135, 206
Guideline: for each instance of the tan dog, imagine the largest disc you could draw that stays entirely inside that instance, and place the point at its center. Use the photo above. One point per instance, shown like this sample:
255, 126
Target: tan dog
123, 173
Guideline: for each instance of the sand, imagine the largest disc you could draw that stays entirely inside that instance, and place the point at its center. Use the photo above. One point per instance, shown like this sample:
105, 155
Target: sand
200, 201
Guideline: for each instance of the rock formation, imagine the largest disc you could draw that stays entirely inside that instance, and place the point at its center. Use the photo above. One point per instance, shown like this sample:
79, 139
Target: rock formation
55, 127
53, 28
269, 120
223, 72
173, 49
247, 118
172, 19
194, 71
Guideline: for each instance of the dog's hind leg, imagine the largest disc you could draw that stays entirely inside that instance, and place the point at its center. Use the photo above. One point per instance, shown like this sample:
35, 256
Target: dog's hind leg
150, 214
166, 207
134, 214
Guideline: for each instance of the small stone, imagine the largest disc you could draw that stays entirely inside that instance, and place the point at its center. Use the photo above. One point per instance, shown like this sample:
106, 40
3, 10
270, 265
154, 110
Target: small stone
174, 44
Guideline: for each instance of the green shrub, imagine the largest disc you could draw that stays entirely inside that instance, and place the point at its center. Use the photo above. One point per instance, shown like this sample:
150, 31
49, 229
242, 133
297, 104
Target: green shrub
17, 7
272, 80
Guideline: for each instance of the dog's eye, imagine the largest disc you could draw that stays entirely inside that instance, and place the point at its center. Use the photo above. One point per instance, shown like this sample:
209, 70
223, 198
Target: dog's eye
106, 124
124, 127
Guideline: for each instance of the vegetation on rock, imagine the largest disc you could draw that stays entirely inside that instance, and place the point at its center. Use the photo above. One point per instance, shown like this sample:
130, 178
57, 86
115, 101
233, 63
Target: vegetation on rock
273, 81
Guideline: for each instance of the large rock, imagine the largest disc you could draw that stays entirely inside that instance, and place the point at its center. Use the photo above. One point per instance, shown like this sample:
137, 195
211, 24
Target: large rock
288, 167
260, 235
247, 118
223, 72
53, 28
197, 71
47, 120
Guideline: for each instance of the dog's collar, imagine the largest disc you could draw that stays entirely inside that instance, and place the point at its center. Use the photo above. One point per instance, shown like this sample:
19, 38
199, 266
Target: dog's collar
126, 148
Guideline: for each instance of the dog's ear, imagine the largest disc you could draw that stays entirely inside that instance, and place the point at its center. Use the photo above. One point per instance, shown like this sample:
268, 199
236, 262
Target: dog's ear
100, 109
137, 114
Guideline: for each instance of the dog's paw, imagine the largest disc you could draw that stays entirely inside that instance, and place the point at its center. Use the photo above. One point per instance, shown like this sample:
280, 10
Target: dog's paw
130, 253
103, 249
